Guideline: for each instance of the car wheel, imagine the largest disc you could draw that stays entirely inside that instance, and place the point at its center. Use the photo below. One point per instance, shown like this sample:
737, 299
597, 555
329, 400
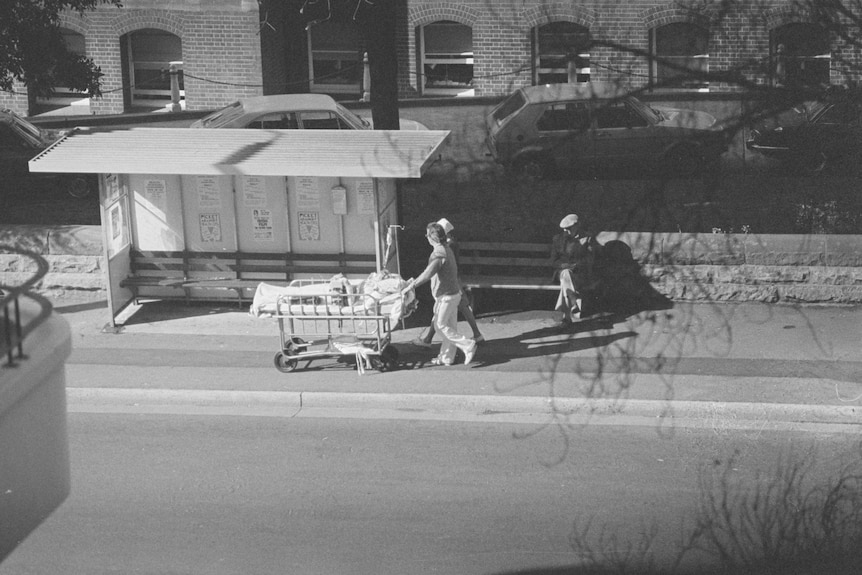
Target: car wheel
78, 186
534, 167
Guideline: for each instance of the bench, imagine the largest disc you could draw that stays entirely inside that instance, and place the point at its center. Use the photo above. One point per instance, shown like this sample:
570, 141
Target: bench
501, 265
185, 270
526, 266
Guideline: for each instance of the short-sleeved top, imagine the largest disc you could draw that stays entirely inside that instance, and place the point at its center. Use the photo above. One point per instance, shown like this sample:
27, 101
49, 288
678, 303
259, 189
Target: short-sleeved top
445, 281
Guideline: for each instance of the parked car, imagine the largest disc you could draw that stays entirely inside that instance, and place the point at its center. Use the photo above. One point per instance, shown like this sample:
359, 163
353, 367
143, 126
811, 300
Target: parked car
291, 112
812, 135
537, 129
20, 141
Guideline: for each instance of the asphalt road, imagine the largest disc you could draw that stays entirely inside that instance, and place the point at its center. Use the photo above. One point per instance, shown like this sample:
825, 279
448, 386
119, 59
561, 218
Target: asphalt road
226, 494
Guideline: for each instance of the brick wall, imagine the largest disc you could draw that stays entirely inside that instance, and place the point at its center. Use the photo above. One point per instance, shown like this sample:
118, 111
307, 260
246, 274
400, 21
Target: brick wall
224, 43
220, 43
739, 37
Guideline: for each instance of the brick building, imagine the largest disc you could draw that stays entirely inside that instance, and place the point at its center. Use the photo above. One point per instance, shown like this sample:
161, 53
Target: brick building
235, 48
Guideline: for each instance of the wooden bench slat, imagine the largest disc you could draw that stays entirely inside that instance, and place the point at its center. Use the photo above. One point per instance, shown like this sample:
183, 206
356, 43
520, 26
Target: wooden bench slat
466, 261
238, 271
544, 249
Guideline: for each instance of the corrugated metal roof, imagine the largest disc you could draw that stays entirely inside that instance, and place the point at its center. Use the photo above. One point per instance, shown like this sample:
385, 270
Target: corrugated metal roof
344, 153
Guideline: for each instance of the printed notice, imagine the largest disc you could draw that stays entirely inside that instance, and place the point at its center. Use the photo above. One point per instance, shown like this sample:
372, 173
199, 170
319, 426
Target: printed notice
339, 201
209, 193
253, 191
116, 222
210, 228
112, 186
262, 225
309, 226
365, 198
307, 193
155, 193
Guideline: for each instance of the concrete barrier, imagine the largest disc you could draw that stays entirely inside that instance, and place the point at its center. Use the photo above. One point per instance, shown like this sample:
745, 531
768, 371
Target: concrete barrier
692, 267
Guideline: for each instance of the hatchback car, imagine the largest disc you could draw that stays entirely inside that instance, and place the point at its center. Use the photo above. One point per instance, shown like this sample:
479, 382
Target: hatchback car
291, 112
813, 135
537, 129
20, 141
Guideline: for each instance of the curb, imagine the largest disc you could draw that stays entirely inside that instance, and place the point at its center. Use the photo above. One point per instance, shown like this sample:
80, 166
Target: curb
720, 414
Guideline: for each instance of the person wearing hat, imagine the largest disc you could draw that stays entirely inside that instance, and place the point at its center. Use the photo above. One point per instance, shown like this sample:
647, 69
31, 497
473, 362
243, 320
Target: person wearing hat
572, 257
442, 272
464, 307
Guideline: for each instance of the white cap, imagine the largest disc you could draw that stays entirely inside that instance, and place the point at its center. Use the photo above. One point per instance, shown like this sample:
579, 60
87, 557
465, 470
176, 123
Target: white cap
446, 225
569, 221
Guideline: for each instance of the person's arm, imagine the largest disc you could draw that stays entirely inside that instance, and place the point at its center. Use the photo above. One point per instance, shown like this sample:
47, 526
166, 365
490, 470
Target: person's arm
430, 270
559, 259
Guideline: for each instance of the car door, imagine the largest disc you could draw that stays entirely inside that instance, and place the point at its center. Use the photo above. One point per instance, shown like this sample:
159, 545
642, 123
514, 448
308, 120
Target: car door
564, 133
836, 131
622, 136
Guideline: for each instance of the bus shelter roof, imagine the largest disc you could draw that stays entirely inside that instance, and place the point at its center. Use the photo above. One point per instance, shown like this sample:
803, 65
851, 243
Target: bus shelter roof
341, 153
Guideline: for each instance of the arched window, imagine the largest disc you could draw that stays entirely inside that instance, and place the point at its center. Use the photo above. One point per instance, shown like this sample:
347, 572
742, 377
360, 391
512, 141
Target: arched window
148, 56
445, 51
63, 95
801, 55
561, 53
334, 58
680, 56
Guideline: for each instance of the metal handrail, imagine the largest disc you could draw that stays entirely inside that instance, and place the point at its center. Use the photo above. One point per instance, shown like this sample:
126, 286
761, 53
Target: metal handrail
13, 331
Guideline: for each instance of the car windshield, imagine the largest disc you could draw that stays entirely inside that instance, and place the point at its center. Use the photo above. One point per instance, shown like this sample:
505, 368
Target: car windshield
653, 115
813, 109
357, 122
24, 126
221, 117
509, 106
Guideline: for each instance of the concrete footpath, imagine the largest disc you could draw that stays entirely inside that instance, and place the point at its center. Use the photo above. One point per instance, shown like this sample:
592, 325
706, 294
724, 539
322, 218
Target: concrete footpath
751, 364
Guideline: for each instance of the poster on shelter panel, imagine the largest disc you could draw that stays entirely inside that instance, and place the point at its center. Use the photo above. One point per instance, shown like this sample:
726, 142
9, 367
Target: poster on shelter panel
210, 225
116, 220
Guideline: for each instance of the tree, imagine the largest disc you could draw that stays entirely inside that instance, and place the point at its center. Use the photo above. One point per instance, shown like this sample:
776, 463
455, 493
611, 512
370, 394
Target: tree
377, 21
32, 49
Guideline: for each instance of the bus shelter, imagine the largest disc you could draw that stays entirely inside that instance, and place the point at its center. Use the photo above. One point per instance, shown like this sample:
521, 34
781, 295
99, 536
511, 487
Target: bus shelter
242, 193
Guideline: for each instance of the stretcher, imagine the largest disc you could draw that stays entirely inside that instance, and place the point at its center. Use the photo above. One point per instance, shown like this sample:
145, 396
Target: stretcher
326, 319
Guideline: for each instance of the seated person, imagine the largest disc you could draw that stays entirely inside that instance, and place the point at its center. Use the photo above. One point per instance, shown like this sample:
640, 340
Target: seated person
572, 257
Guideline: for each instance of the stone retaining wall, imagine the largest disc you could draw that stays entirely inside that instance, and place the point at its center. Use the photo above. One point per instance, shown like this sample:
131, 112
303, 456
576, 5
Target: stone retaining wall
74, 256
748, 267
694, 267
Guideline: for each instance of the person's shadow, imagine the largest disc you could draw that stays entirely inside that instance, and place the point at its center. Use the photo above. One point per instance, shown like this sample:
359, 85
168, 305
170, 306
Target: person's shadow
538, 343
622, 290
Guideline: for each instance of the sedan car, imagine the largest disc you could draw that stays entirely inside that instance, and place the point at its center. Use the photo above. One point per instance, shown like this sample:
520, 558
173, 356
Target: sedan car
540, 128
813, 135
20, 141
291, 112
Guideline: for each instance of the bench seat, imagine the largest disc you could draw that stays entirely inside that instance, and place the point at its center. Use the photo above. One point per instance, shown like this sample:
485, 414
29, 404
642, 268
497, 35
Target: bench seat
235, 271
505, 265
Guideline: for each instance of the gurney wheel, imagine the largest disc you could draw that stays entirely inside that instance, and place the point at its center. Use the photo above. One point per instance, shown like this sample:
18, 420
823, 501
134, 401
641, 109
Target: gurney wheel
283, 364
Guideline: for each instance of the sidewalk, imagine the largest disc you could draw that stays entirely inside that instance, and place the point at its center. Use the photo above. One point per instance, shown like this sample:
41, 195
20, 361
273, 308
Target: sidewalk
742, 355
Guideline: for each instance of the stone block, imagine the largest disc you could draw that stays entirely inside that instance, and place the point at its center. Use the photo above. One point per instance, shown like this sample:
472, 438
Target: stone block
75, 240
708, 249
785, 250
844, 251
79, 264
28, 238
